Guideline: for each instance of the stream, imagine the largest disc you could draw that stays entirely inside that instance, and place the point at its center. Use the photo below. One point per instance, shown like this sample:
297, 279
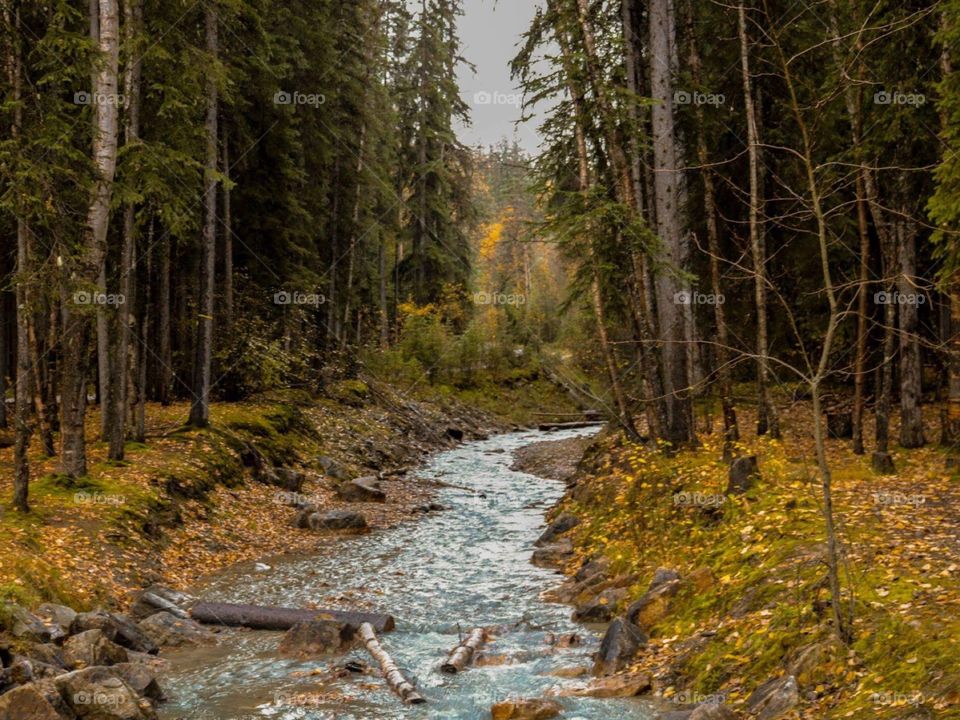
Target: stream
469, 564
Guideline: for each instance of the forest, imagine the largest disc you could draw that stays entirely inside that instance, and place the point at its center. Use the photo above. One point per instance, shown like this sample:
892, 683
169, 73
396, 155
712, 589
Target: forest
737, 243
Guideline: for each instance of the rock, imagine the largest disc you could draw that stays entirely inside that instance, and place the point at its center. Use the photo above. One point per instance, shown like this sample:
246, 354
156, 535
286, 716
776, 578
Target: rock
92, 647
809, 664
42, 654
620, 645
882, 463
319, 637
713, 711
117, 628
618, 686
661, 576
700, 580
559, 526
19, 673
654, 605
743, 475
27, 703
774, 698
363, 489
597, 566
141, 678
24, 624
289, 479
59, 615
167, 630
338, 520
455, 434
98, 693
553, 555
333, 469
601, 608
303, 518
525, 710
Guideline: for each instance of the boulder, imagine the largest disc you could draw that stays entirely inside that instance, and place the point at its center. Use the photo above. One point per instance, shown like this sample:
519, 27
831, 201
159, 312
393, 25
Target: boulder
289, 479
455, 434
42, 654
141, 678
526, 710
554, 555
620, 645
166, 630
362, 489
318, 637
661, 576
629, 685
27, 702
304, 516
654, 605
743, 475
562, 524
597, 566
332, 468
118, 628
92, 647
601, 608
19, 673
338, 520
99, 693
700, 580
25, 625
774, 698
59, 615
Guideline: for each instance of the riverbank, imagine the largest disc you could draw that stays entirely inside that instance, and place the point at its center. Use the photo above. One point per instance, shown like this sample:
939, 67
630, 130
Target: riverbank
189, 502
729, 591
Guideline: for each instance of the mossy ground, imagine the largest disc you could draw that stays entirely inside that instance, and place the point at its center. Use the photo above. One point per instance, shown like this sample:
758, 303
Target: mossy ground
766, 554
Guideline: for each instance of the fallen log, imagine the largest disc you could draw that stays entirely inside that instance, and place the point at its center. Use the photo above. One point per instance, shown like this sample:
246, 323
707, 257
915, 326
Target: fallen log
464, 652
258, 617
391, 673
569, 425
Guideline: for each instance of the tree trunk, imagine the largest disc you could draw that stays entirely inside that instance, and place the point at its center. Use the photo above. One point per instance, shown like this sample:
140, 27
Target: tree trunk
200, 407
463, 653
278, 618
767, 418
165, 370
911, 367
227, 237
86, 270
123, 318
671, 286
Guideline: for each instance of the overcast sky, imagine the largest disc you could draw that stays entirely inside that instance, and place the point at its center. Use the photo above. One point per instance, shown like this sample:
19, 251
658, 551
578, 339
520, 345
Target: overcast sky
490, 31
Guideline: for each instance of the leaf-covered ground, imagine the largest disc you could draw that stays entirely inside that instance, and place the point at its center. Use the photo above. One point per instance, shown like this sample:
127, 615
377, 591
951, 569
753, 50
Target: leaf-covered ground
761, 608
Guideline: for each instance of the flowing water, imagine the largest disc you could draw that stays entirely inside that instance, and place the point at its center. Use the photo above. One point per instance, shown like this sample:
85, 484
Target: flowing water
468, 565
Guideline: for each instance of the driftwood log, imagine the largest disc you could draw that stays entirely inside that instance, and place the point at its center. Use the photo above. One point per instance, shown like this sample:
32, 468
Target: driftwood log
278, 618
391, 673
464, 652
161, 603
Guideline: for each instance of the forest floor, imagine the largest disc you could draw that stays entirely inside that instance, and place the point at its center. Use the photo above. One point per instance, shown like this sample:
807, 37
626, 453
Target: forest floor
758, 608
182, 504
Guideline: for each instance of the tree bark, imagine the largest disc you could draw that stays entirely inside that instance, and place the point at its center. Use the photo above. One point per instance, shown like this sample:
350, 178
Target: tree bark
86, 270
200, 407
278, 618
165, 371
227, 237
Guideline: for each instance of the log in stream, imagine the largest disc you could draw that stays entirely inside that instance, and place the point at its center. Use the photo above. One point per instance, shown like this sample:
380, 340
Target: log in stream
258, 617
463, 653
391, 673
